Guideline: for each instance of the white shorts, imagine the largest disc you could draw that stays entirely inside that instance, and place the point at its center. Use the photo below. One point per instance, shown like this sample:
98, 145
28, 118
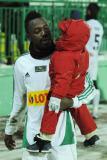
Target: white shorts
65, 152
33, 156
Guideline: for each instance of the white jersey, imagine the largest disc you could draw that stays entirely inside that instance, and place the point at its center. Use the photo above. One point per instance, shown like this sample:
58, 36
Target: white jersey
93, 46
31, 78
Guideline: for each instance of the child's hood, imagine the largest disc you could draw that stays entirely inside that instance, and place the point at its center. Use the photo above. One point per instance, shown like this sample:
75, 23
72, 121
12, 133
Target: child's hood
75, 35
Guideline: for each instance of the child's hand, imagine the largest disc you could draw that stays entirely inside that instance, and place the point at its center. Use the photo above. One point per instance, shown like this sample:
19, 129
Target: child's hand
54, 104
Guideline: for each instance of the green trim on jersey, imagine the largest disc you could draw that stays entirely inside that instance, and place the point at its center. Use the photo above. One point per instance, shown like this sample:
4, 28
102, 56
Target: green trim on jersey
25, 142
69, 133
88, 90
86, 94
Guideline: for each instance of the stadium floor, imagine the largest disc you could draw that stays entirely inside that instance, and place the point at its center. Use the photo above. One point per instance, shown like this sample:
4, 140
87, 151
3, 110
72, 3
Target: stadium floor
97, 152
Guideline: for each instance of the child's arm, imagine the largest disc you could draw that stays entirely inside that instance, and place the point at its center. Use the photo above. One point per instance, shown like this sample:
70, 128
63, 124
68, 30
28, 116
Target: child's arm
61, 72
62, 68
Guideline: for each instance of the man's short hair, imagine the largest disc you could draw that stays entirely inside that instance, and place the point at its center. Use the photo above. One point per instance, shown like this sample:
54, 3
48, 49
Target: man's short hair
94, 9
30, 16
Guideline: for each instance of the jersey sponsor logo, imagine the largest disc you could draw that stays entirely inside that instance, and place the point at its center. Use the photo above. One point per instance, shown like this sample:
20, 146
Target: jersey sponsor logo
37, 98
40, 68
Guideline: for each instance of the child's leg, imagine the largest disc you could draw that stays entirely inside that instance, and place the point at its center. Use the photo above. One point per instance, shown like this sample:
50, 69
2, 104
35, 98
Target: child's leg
86, 124
84, 119
49, 121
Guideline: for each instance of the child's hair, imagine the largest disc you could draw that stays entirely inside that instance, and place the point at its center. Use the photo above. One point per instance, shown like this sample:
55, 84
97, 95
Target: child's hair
75, 14
30, 16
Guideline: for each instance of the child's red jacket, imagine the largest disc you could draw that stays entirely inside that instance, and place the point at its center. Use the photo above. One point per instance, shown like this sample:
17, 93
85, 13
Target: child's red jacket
69, 63
68, 67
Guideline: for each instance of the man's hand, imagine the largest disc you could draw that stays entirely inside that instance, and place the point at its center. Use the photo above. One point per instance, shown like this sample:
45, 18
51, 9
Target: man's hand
9, 142
66, 103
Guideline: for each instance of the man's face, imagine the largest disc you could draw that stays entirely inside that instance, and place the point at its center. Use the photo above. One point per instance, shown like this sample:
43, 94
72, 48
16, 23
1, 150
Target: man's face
39, 33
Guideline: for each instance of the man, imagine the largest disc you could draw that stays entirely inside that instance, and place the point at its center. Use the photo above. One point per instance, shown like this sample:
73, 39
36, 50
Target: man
31, 81
93, 47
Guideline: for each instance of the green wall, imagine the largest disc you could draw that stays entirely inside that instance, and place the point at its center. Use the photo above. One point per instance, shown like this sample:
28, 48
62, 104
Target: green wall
6, 90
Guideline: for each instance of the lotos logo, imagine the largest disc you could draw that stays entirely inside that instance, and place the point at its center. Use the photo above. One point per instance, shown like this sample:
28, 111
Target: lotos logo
37, 98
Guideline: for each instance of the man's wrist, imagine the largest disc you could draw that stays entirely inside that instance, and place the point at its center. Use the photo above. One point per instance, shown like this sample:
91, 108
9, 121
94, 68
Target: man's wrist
10, 130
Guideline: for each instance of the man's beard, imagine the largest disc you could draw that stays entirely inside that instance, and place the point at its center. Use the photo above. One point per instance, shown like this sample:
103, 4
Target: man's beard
43, 51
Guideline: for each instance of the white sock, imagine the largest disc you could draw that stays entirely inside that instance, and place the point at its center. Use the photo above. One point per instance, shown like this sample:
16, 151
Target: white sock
45, 136
89, 135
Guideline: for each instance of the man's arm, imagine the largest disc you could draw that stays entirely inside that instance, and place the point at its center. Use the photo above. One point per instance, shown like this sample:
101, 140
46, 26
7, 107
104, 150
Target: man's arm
18, 110
86, 96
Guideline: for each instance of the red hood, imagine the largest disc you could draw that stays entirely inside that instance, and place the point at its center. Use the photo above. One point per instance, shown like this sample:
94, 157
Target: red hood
75, 34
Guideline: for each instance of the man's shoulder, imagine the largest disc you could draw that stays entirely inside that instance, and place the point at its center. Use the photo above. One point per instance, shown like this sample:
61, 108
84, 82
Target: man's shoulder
95, 26
23, 57
94, 22
22, 60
